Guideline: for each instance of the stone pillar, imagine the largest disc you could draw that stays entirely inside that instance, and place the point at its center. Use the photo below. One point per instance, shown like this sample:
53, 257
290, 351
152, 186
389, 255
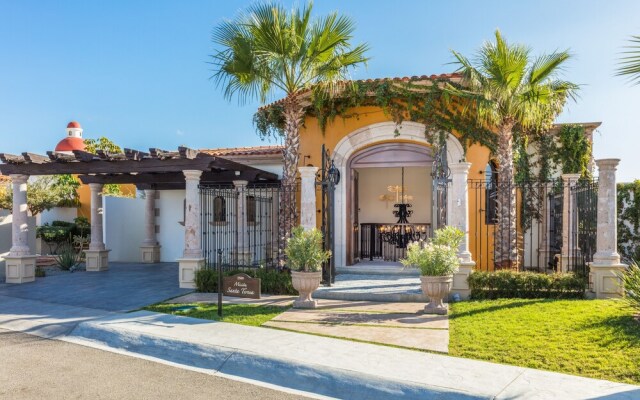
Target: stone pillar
192, 259
605, 268
459, 218
97, 257
569, 250
20, 265
150, 249
242, 253
308, 197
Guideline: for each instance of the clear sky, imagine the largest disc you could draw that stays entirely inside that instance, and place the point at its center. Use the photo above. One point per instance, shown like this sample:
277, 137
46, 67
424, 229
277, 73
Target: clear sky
136, 70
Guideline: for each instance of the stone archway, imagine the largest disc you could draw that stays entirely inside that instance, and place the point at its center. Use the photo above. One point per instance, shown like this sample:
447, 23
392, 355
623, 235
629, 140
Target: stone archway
348, 146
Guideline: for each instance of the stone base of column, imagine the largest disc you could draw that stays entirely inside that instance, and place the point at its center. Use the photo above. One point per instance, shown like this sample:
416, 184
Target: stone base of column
188, 268
604, 280
460, 285
97, 260
150, 254
20, 269
243, 257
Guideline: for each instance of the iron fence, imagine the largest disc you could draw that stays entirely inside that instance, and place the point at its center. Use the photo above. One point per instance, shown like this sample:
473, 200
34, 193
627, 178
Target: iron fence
550, 226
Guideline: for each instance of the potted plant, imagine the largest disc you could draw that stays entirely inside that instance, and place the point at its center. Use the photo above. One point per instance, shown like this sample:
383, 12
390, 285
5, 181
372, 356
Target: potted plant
305, 256
438, 261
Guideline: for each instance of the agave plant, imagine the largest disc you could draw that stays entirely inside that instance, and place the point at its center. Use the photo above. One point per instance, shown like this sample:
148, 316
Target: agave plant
67, 258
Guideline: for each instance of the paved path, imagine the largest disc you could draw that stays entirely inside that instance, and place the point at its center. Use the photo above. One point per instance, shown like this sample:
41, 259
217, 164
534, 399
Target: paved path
36, 368
321, 365
124, 287
385, 288
398, 324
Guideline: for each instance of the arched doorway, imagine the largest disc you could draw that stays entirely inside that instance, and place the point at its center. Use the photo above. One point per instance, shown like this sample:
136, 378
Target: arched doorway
379, 177
411, 133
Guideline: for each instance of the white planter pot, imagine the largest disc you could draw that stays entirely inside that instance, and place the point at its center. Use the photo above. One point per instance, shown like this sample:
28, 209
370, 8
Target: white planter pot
305, 283
437, 288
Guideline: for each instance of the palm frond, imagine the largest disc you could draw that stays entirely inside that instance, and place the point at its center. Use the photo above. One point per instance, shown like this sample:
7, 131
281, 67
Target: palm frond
630, 63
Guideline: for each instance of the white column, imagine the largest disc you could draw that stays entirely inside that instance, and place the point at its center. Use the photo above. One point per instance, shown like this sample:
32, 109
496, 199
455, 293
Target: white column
20, 229
97, 257
308, 197
20, 265
192, 259
459, 218
150, 248
242, 253
606, 266
569, 233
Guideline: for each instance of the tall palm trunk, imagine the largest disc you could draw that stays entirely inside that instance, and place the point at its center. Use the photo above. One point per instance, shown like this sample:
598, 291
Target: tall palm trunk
506, 251
293, 113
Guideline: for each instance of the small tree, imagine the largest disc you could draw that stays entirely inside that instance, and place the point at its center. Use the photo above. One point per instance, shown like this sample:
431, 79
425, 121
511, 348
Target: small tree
105, 144
43, 193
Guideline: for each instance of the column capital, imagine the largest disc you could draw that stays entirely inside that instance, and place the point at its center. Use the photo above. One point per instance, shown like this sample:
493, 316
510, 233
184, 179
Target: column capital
19, 178
607, 163
570, 177
96, 187
308, 172
240, 183
192, 174
460, 168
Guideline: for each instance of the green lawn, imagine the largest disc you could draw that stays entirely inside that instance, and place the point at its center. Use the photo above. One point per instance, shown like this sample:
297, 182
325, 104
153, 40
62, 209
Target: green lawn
593, 338
244, 314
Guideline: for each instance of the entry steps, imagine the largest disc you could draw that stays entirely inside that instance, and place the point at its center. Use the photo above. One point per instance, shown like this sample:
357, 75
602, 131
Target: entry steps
395, 288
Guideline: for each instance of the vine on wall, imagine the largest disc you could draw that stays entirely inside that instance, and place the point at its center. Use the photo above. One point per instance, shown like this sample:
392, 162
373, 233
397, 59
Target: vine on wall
629, 220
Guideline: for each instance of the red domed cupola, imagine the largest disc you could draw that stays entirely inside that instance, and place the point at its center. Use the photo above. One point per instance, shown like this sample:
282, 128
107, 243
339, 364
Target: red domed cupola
73, 141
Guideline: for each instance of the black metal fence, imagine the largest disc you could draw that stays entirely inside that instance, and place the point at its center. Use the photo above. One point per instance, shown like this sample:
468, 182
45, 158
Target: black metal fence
373, 246
547, 237
246, 232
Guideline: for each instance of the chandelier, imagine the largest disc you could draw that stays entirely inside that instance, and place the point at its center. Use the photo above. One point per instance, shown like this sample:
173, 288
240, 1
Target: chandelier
402, 232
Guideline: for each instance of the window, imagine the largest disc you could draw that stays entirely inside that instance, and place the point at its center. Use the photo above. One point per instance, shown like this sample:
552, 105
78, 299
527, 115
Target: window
219, 209
491, 193
251, 209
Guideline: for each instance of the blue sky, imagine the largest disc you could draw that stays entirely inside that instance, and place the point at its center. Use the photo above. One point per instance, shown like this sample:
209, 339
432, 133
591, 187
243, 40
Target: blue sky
136, 70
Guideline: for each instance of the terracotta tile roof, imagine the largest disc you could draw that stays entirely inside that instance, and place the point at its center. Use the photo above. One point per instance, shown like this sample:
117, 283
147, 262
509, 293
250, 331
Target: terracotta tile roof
415, 78
245, 151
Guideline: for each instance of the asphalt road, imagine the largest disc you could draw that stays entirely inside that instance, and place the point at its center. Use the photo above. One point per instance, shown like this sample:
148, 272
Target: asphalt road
36, 368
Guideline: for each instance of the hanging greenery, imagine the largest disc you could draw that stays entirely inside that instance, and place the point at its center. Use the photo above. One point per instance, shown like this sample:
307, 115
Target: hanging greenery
629, 220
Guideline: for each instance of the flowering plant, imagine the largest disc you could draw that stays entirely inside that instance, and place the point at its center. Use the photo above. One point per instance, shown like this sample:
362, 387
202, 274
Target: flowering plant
437, 257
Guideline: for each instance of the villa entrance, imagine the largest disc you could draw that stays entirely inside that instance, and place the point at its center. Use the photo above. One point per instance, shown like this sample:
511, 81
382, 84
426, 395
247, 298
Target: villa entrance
390, 188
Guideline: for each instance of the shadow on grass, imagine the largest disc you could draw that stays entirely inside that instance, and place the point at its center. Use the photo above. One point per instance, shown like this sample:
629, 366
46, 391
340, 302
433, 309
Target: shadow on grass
498, 307
624, 327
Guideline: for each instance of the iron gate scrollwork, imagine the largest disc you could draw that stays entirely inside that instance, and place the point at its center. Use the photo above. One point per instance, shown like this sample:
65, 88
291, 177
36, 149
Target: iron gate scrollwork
440, 175
328, 179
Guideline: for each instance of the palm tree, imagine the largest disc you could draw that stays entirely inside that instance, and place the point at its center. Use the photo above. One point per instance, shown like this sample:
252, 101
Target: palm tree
508, 90
268, 51
630, 63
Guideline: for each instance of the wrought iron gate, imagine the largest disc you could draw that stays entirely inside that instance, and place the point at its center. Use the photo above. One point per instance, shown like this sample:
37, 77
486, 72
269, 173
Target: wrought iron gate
440, 175
327, 181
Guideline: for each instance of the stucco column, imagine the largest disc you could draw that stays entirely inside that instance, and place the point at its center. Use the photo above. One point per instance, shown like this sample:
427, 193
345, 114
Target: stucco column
604, 270
150, 249
19, 226
97, 257
569, 232
242, 253
192, 259
20, 265
308, 197
459, 218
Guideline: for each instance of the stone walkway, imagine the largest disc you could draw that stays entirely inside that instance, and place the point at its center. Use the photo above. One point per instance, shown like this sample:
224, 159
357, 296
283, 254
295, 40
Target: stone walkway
397, 324
382, 288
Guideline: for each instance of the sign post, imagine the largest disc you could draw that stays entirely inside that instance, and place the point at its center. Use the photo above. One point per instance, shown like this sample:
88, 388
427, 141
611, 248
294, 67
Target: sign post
220, 283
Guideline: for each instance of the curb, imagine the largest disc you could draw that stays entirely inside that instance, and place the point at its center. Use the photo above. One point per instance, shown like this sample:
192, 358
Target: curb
283, 372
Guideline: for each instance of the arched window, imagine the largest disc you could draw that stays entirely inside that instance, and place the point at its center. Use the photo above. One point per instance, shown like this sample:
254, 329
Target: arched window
219, 209
491, 193
251, 209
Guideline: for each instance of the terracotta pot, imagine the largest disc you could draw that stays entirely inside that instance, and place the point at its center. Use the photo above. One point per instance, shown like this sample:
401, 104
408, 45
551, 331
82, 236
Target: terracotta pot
436, 288
305, 283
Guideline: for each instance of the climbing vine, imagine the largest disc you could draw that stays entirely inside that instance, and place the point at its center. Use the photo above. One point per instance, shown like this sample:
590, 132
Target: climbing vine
629, 220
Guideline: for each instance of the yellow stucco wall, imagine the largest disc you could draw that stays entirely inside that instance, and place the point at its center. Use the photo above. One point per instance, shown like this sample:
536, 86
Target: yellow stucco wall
312, 138
84, 194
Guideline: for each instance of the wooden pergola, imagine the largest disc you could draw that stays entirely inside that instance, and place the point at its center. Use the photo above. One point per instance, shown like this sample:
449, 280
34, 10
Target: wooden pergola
149, 171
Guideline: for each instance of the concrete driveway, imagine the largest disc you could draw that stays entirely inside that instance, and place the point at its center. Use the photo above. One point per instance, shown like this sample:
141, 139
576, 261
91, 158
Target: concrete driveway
124, 287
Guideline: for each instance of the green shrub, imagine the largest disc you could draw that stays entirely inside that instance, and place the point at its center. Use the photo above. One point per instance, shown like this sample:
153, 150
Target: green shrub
631, 284
271, 281
304, 250
40, 273
525, 285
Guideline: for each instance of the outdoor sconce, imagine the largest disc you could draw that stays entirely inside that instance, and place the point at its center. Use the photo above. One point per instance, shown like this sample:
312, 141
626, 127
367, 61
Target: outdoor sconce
334, 174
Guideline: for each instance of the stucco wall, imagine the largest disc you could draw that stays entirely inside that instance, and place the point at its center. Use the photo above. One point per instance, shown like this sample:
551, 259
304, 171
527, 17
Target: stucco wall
171, 232
123, 227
